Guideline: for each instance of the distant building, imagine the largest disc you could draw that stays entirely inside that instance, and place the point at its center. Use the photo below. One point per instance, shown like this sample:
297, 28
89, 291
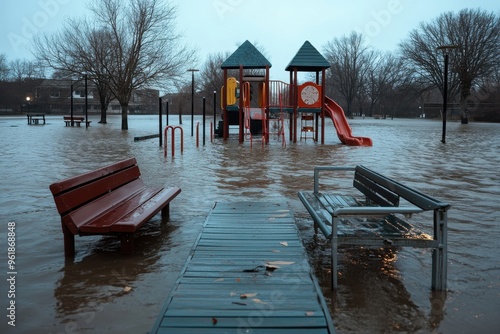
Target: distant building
53, 96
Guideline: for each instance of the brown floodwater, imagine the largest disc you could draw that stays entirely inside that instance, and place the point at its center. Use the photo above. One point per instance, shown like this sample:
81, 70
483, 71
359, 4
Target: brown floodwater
380, 291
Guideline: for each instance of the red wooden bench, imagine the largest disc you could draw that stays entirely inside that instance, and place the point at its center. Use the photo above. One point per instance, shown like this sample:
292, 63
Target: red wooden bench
111, 200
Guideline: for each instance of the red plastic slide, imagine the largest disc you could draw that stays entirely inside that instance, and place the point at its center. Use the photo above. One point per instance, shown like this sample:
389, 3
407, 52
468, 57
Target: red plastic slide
344, 132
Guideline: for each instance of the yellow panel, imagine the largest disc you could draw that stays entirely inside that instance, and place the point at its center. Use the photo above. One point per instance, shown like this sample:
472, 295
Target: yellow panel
232, 85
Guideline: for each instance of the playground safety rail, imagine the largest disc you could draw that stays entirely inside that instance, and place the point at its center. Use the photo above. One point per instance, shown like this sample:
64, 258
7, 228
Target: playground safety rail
165, 133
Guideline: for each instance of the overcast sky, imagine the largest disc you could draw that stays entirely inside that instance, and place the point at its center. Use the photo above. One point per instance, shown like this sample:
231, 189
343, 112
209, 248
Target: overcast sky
280, 27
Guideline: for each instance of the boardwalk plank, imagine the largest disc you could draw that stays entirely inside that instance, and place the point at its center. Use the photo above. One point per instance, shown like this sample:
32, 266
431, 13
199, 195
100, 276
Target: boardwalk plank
233, 322
253, 330
225, 286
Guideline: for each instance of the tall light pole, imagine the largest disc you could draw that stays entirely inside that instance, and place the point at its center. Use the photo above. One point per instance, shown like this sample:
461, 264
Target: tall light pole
86, 102
28, 99
71, 110
192, 70
444, 49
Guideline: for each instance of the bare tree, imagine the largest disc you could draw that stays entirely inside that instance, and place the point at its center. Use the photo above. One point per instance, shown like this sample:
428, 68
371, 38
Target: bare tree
145, 49
124, 46
382, 75
4, 67
21, 69
349, 58
79, 48
211, 75
475, 32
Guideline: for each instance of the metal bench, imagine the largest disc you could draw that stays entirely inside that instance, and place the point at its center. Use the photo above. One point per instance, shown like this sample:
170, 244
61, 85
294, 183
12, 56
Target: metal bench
112, 200
376, 219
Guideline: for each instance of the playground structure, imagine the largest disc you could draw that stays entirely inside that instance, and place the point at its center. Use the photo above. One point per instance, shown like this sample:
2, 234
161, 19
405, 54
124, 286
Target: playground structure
259, 106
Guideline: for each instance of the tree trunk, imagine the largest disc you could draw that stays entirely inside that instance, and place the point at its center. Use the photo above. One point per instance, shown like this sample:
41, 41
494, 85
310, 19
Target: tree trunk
103, 115
465, 91
349, 111
465, 118
124, 116
180, 113
463, 109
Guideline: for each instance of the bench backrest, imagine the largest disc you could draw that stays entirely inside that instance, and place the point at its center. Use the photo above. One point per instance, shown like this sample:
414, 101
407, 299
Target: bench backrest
387, 192
74, 192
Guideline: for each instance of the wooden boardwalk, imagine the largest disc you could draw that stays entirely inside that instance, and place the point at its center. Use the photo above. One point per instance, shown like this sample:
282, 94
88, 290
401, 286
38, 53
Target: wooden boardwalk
247, 273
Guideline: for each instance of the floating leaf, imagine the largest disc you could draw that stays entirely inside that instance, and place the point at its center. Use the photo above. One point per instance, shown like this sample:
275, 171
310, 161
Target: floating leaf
309, 313
258, 301
238, 280
279, 263
127, 288
247, 295
214, 321
284, 243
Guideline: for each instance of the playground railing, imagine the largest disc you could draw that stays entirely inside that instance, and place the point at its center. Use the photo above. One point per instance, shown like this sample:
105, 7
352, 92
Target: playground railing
280, 94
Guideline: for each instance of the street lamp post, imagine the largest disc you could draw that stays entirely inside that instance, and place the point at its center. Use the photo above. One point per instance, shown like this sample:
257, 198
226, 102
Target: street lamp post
444, 49
192, 70
86, 102
71, 110
28, 99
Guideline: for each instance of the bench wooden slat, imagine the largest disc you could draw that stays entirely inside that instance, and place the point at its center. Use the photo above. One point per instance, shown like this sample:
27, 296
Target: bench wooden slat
341, 201
374, 192
413, 196
104, 222
93, 210
110, 210
146, 211
81, 195
68, 184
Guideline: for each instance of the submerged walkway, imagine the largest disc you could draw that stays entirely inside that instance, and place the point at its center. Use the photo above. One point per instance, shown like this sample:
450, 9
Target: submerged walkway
248, 273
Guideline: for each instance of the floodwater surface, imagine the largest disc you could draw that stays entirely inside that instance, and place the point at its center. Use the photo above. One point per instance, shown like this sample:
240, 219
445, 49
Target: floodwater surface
380, 291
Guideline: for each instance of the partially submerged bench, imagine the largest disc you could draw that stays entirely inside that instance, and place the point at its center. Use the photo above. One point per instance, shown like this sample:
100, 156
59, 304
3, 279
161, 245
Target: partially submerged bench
374, 217
34, 119
71, 121
112, 200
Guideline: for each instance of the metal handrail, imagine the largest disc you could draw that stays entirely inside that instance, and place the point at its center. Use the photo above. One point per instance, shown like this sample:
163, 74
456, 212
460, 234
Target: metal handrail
165, 132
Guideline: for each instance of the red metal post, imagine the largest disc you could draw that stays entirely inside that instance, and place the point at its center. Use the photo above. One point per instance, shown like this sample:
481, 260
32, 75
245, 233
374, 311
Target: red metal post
323, 94
225, 128
240, 115
165, 133
295, 105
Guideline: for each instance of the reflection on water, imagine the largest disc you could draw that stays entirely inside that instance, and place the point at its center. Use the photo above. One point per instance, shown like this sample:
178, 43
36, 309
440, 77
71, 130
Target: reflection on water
384, 291
101, 277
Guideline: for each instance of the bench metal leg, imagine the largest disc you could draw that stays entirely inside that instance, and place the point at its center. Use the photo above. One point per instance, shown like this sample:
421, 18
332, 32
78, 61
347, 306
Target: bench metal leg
334, 242
127, 243
334, 264
69, 242
165, 212
440, 255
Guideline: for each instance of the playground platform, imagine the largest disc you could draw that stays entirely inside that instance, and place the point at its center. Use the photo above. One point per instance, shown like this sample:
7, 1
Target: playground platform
247, 273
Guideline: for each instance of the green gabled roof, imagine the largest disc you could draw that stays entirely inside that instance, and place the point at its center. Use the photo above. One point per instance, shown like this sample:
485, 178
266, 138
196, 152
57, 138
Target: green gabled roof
246, 55
308, 59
